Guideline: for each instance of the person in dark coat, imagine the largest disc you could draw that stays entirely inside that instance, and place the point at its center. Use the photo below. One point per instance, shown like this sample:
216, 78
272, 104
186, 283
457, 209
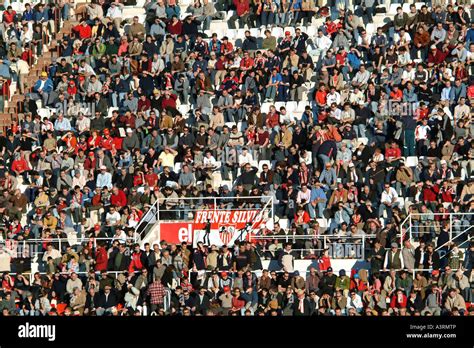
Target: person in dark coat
327, 283
106, 300
119, 260
59, 285
301, 306
431, 258
202, 301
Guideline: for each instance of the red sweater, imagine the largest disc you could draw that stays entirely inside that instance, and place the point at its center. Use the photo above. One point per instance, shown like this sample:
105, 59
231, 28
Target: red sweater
241, 6
169, 103
431, 194
175, 29
84, 32
395, 304
119, 200
101, 259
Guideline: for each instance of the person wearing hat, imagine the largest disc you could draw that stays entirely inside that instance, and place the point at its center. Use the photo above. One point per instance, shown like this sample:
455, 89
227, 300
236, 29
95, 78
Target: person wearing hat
343, 283
327, 283
130, 142
42, 88
393, 258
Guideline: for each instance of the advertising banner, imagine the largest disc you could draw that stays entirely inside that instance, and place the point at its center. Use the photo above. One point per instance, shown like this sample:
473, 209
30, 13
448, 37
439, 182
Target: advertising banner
225, 227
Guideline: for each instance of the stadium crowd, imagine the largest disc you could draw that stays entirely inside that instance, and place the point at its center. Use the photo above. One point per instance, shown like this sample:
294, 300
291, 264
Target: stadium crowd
337, 119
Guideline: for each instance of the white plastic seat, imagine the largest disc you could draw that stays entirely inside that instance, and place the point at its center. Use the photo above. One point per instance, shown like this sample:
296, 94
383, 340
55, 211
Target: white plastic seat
411, 161
393, 9
231, 34
177, 167
363, 140
323, 222
312, 31
265, 107
419, 5
111, 110
301, 106
277, 32
283, 223
230, 124
227, 183
255, 32
278, 105
370, 29
183, 109
291, 106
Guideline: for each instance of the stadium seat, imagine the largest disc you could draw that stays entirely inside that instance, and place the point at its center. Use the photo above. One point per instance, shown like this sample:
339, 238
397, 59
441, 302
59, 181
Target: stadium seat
177, 167
323, 223
277, 32
283, 223
44, 112
231, 34
110, 111
265, 107
230, 124
228, 183
370, 28
419, 5
363, 140
311, 31
278, 105
411, 161
291, 106
393, 9
301, 106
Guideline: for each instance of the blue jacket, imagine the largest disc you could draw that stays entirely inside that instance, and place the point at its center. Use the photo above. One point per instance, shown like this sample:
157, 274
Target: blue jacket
28, 16
48, 86
41, 16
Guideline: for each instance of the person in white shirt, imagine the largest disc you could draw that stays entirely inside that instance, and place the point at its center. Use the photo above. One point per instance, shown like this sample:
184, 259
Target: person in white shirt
421, 137
461, 110
83, 123
408, 74
245, 157
354, 301
304, 195
22, 69
112, 219
333, 97
322, 43
115, 13
388, 201
209, 161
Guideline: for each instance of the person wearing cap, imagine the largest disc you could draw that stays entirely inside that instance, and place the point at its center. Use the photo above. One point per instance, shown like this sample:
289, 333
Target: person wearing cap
130, 142
42, 89
394, 258
104, 178
328, 282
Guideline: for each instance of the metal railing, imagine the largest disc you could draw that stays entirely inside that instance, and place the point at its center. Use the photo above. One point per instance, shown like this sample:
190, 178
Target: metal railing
416, 225
185, 208
339, 247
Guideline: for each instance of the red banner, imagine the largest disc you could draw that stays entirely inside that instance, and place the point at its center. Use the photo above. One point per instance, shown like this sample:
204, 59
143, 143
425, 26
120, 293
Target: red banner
232, 221
176, 232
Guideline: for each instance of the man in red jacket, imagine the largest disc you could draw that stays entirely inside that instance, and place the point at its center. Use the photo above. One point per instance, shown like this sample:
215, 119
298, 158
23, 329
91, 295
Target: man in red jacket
101, 258
242, 14
83, 30
430, 194
118, 198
